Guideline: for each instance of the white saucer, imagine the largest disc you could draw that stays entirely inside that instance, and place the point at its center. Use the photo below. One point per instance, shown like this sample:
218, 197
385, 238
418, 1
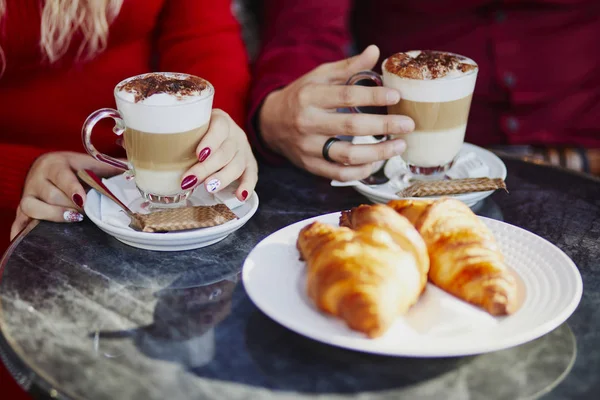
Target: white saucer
439, 325
171, 241
497, 169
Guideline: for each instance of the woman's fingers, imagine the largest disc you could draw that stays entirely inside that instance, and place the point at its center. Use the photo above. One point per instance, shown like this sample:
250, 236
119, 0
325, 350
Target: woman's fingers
224, 155
217, 133
225, 176
19, 224
241, 167
68, 183
50, 194
37, 209
247, 181
202, 170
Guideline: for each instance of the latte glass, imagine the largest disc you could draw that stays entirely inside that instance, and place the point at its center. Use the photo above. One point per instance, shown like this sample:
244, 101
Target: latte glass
440, 109
160, 139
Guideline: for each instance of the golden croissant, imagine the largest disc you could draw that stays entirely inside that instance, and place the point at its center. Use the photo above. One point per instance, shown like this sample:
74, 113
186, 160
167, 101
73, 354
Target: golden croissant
362, 276
464, 256
402, 231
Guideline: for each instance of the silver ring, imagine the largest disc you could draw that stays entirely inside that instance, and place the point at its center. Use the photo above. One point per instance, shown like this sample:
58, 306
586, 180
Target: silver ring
327, 146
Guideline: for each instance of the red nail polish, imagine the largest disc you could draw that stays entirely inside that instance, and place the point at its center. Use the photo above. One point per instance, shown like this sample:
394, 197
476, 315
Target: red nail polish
204, 153
77, 200
188, 182
244, 194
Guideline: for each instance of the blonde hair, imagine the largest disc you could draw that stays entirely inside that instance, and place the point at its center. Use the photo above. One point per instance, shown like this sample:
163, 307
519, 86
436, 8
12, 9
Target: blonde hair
61, 19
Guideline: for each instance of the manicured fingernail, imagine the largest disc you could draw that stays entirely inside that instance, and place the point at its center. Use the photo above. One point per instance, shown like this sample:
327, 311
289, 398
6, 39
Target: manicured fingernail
204, 153
189, 182
213, 185
72, 216
399, 146
244, 194
77, 200
392, 97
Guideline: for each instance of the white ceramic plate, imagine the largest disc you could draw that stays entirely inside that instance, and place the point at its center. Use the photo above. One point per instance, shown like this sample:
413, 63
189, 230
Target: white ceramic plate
171, 241
439, 325
385, 193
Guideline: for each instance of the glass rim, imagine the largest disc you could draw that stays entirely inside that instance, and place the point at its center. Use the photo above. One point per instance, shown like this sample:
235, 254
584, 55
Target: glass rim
210, 90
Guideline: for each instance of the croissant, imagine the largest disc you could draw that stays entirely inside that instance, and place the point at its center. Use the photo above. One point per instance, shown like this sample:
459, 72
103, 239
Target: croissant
464, 256
401, 230
361, 276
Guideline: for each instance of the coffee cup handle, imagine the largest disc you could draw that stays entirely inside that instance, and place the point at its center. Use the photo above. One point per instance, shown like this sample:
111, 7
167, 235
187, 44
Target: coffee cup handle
86, 135
361, 76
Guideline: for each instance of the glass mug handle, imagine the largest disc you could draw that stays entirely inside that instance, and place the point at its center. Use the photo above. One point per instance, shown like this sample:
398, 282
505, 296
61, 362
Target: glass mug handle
118, 129
361, 76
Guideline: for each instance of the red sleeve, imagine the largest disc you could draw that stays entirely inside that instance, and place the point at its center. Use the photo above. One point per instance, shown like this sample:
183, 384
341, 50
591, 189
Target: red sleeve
297, 36
15, 161
202, 37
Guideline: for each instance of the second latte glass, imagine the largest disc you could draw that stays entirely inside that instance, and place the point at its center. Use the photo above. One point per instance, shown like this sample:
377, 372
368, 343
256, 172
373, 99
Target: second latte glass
438, 103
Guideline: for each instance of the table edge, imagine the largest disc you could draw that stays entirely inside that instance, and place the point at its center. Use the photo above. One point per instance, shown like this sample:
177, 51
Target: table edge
49, 388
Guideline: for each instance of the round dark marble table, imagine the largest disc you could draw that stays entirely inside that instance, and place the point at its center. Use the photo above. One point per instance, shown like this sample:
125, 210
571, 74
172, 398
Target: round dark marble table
84, 316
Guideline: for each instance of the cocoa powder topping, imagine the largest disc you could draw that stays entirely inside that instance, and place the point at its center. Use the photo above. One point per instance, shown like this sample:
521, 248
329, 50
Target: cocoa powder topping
427, 65
151, 84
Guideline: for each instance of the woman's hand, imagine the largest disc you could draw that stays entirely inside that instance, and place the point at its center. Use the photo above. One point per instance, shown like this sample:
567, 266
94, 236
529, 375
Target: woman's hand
224, 155
297, 120
52, 191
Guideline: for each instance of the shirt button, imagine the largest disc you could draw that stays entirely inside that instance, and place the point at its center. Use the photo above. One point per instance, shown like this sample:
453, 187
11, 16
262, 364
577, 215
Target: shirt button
509, 80
512, 124
500, 16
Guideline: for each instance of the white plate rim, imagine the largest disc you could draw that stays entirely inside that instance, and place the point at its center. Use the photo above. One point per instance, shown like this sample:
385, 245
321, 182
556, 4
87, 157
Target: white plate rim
469, 198
225, 228
509, 342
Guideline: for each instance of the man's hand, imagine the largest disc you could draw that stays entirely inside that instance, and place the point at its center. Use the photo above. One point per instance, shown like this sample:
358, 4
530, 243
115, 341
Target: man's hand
297, 120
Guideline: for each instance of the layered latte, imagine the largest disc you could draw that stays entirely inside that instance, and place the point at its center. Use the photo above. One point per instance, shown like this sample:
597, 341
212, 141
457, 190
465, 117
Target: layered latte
165, 115
436, 90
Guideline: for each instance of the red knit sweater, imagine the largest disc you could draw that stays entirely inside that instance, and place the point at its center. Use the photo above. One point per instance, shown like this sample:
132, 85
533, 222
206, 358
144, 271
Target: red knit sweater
42, 106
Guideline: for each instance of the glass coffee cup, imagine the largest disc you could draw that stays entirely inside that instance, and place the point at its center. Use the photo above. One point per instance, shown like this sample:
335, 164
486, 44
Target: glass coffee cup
435, 89
162, 117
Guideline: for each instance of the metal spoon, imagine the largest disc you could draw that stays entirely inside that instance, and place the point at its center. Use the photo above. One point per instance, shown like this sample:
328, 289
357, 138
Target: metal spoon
89, 177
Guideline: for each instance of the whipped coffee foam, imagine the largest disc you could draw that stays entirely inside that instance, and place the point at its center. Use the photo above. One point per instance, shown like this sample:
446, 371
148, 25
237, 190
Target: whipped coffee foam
419, 64
162, 88
164, 103
430, 76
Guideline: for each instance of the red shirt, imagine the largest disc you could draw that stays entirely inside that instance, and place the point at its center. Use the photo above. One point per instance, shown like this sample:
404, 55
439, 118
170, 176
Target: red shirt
42, 107
539, 77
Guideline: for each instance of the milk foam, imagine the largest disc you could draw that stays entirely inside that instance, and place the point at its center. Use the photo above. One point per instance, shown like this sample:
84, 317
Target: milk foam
453, 86
432, 90
163, 112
